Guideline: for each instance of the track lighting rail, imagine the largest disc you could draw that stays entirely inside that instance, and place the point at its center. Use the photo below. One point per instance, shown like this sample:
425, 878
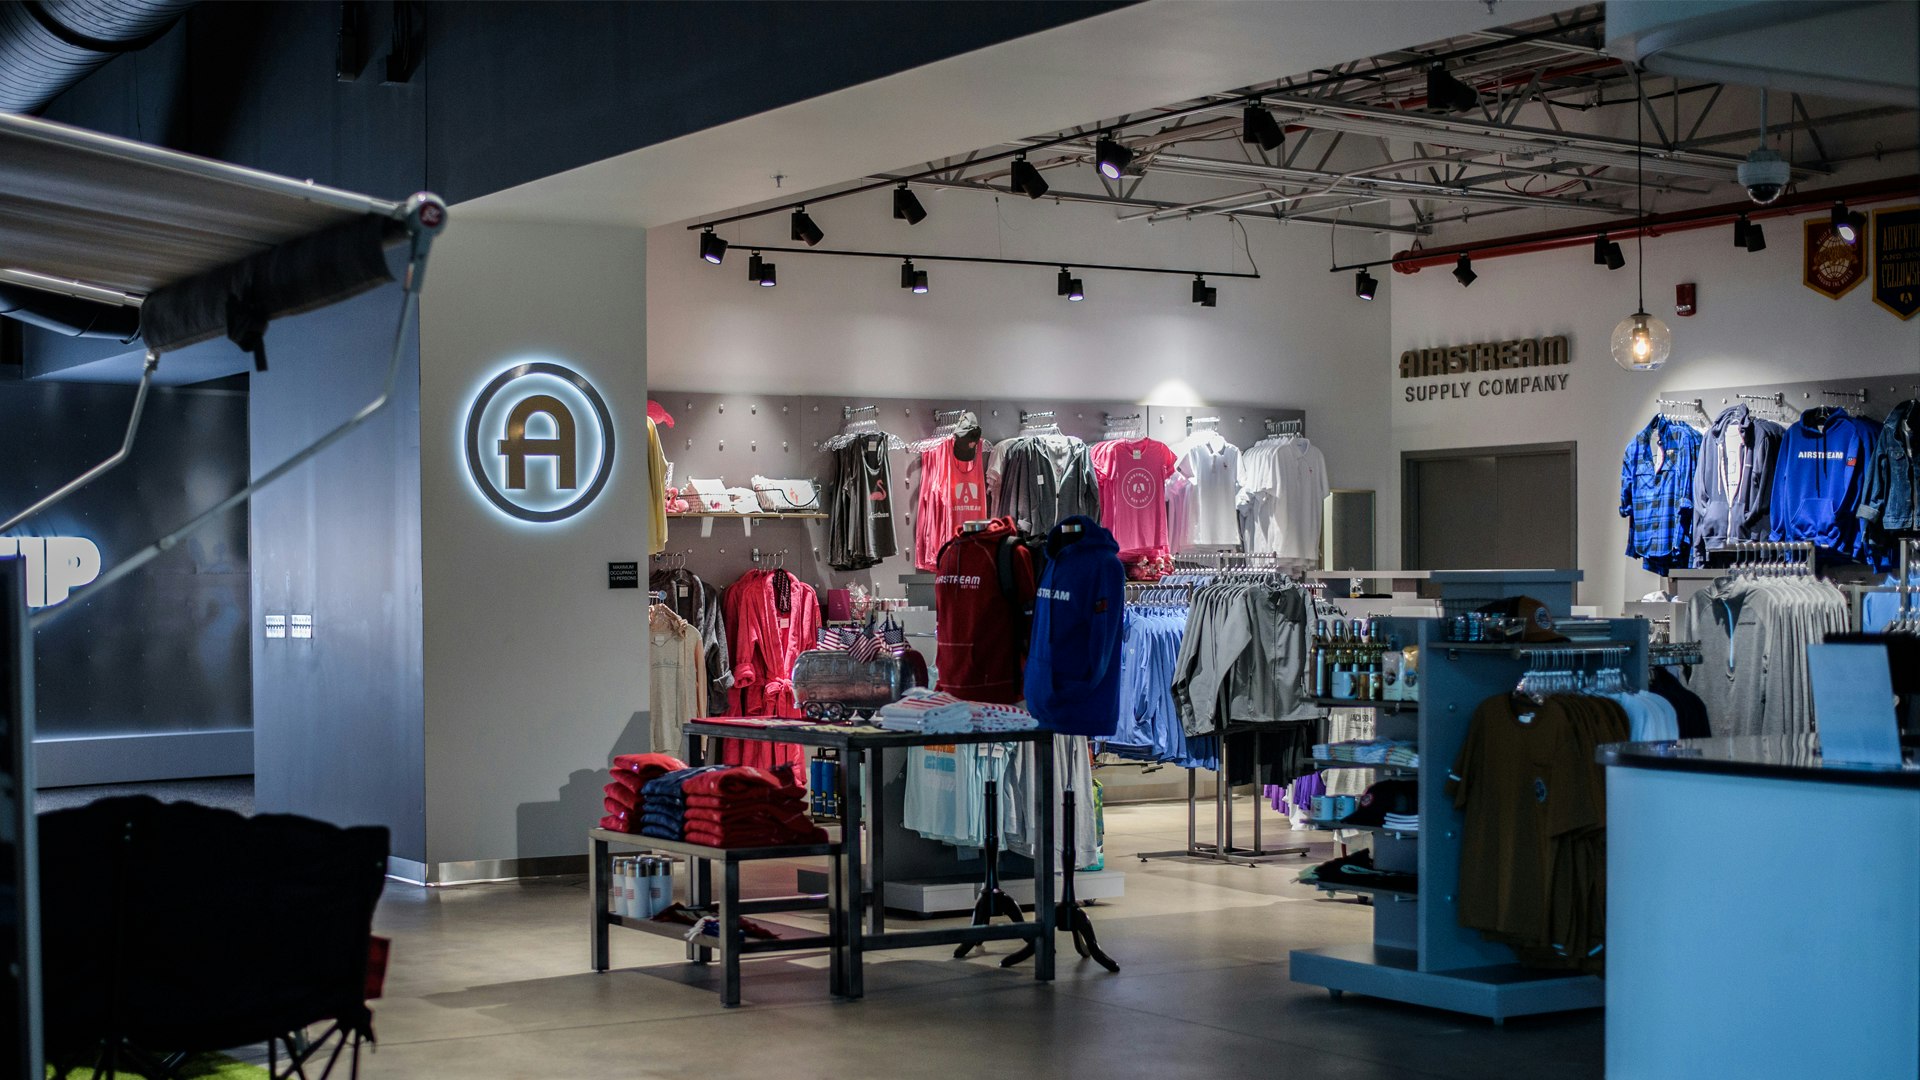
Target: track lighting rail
991, 261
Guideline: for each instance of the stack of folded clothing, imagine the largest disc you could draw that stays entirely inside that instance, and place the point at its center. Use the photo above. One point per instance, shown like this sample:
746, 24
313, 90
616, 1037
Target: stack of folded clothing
926, 711
625, 800
1393, 752
1358, 869
741, 806
1390, 804
941, 713
663, 814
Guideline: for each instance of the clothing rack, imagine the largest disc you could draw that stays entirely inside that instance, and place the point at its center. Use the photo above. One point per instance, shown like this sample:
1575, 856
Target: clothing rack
1196, 421
847, 411
1129, 421
1286, 427
1223, 849
1672, 653
941, 416
1859, 395
1763, 556
1667, 405
774, 560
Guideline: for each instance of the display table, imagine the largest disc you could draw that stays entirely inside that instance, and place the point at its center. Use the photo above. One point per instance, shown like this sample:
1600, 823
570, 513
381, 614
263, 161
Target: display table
1763, 912
727, 907
861, 750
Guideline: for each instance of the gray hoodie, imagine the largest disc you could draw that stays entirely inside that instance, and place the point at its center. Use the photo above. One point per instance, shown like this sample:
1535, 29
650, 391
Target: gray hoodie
1733, 479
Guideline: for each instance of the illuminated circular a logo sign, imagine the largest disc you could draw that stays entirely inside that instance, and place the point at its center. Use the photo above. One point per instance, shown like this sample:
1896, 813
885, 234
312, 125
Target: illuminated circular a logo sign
540, 442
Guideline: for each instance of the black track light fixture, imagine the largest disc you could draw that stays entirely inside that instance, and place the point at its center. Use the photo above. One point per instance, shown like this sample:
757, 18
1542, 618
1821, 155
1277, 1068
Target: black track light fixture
920, 283
712, 248
1741, 231
1111, 157
1607, 253
1756, 237
804, 230
756, 268
916, 280
1448, 94
1463, 270
1069, 286
1257, 125
1848, 224
1364, 286
767, 278
906, 206
1026, 179
1203, 294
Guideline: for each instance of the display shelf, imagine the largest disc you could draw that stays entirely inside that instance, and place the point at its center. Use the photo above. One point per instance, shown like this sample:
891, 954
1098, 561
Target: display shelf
1420, 953
1347, 826
1359, 703
1397, 895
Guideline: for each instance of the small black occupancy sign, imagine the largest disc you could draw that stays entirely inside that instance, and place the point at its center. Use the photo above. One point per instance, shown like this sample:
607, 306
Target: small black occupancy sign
623, 575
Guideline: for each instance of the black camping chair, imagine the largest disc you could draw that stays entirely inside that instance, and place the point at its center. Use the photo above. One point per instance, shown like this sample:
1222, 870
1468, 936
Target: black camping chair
171, 929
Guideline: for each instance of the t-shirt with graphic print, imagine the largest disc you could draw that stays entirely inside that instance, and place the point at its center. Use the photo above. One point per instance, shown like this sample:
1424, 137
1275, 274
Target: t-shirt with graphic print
1133, 481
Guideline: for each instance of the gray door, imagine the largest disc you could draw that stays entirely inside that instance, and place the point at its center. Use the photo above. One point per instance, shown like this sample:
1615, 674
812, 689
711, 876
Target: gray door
1489, 508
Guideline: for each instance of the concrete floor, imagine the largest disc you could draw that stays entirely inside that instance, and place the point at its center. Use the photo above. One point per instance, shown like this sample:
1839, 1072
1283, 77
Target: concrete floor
492, 981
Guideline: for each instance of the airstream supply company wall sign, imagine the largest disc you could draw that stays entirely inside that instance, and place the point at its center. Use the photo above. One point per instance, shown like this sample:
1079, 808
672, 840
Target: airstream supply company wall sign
1487, 369
539, 442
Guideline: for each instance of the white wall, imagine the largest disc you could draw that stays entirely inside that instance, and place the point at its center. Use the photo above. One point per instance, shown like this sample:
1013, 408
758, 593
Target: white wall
535, 670
839, 325
1756, 324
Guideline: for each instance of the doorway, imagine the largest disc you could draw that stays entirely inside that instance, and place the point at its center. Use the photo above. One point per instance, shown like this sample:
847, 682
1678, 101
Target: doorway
1490, 508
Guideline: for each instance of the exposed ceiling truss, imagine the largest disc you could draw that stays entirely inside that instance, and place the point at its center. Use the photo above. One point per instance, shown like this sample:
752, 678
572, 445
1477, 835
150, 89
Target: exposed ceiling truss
1365, 149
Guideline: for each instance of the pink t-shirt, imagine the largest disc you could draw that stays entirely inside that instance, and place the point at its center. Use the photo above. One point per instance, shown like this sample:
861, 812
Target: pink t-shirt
953, 492
1133, 505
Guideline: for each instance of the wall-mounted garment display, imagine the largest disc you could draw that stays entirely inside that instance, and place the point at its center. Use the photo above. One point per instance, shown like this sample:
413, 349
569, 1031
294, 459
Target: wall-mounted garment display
1733, 480
983, 596
1821, 477
1283, 492
1043, 479
1073, 663
1891, 500
1132, 474
1753, 633
1203, 494
1533, 843
697, 602
773, 617
1656, 494
860, 512
677, 669
957, 485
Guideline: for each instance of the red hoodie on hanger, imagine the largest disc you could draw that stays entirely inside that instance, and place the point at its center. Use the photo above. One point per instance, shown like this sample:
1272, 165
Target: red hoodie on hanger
772, 617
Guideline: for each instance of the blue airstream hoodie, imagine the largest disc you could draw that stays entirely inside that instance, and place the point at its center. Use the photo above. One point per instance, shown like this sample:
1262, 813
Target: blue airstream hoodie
1818, 481
1073, 664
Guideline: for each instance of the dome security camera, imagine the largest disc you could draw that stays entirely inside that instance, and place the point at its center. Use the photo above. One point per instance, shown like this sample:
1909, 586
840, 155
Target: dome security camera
1765, 175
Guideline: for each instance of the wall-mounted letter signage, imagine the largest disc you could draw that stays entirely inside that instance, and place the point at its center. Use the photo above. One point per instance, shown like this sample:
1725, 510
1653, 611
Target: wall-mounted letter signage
539, 442
1896, 260
56, 565
1485, 356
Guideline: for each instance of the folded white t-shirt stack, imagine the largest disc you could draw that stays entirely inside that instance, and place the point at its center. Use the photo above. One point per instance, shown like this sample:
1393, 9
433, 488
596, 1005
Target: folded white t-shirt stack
929, 711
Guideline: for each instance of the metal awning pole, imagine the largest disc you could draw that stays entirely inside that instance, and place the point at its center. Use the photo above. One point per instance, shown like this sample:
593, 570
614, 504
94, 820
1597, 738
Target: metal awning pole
427, 216
95, 473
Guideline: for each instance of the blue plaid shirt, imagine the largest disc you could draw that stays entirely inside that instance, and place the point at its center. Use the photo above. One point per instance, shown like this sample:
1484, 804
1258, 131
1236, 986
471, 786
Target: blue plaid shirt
1656, 493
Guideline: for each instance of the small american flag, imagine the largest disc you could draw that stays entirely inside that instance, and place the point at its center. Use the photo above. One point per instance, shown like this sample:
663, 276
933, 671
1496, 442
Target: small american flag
865, 647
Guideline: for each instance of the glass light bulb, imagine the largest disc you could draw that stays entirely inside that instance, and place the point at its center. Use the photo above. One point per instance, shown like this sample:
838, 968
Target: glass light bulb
1641, 346
1641, 342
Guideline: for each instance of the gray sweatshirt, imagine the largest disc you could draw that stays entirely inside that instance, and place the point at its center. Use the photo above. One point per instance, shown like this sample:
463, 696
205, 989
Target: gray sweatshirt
1732, 480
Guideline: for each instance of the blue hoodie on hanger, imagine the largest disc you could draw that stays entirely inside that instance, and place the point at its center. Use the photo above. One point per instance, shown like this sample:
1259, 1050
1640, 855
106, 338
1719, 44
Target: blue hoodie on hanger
1073, 664
1819, 479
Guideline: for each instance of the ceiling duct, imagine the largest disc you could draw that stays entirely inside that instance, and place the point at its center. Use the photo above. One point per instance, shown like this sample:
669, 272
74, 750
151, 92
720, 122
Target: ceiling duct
46, 46
1861, 50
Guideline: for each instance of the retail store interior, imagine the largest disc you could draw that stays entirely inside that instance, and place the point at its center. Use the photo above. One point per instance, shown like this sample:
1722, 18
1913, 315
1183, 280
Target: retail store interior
626, 538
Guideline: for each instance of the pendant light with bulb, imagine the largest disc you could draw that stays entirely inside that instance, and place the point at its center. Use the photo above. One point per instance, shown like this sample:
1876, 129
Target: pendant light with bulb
1641, 342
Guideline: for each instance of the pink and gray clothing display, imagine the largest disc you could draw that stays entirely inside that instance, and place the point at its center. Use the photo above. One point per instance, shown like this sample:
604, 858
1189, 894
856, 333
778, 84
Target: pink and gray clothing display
957, 484
1042, 480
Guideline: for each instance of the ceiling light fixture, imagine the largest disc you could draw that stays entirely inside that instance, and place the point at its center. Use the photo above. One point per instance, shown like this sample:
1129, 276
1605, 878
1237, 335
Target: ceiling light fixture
767, 278
804, 230
1641, 342
712, 248
1069, 286
1607, 253
1463, 270
910, 278
1203, 294
1448, 94
906, 206
1026, 179
1740, 231
756, 268
1111, 157
919, 282
1848, 224
1364, 286
1257, 125
1756, 237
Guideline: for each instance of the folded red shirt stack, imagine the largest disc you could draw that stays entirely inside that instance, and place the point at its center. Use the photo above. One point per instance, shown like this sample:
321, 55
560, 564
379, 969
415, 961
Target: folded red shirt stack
747, 807
631, 772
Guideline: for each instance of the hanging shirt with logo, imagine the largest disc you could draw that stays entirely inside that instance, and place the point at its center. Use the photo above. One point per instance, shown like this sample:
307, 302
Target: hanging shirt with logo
860, 523
954, 489
1132, 474
1203, 492
1283, 484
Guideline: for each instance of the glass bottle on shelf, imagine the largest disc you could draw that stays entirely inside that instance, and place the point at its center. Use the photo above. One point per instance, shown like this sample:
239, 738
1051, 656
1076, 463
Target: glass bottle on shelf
1342, 663
1322, 665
